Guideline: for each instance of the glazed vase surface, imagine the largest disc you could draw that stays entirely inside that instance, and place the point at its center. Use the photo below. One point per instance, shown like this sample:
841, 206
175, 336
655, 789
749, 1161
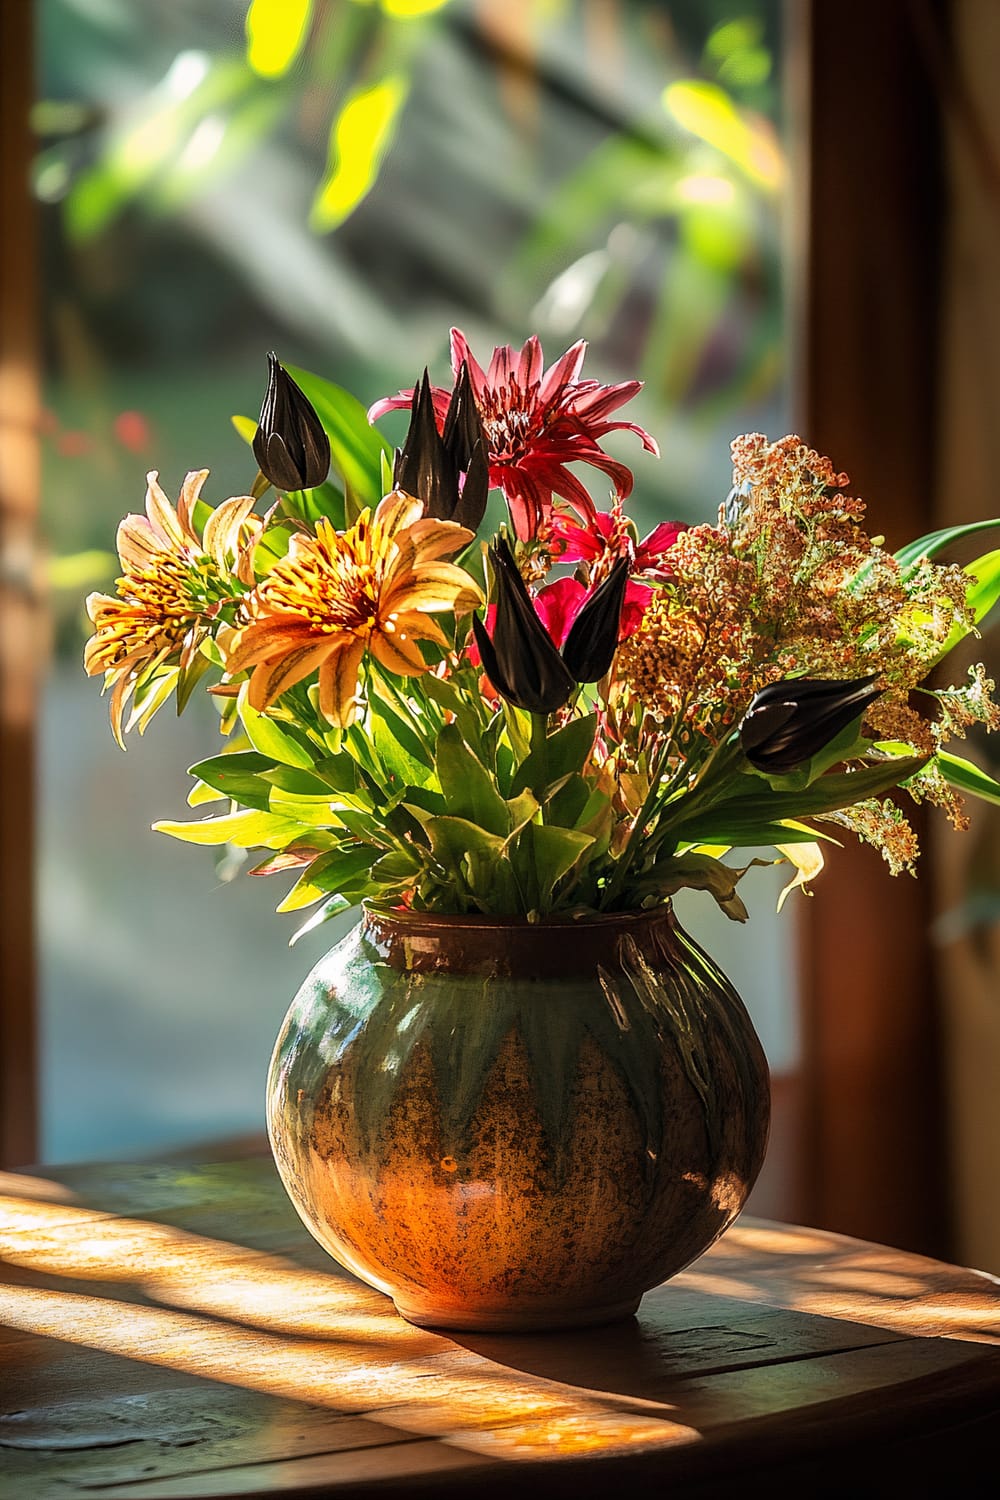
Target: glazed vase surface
513, 1126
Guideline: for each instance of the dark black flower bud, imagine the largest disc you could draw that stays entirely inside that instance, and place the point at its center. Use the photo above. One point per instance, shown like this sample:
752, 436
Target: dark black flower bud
423, 466
290, 445
448, 471
521, 660
590, 647
789, 722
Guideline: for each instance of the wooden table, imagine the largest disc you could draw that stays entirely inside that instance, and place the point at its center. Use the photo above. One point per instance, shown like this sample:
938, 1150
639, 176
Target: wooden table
171, 1331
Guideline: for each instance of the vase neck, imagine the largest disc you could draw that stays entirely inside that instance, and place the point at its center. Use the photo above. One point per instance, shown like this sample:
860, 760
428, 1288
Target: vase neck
511, 948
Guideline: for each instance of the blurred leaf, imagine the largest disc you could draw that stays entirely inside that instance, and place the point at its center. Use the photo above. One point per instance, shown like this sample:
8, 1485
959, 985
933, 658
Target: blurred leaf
140, 151
411, 10
359, 138
276, 30
748, 141
81, 570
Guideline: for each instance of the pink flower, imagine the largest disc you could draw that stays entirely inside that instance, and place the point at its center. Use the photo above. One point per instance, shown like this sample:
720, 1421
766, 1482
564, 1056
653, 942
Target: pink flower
609, 532
606, 536
536, 422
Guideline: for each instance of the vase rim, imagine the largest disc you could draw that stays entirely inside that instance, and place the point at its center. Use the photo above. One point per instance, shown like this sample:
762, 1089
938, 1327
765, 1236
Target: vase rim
470, 920
511, 947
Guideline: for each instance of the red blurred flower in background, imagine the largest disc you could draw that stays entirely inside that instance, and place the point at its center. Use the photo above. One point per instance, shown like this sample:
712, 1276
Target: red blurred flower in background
537, 421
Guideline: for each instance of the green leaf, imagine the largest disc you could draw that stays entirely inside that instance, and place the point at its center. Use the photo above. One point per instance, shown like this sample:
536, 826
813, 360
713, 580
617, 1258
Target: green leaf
389, 735
980, 597
967, 777
188, 679
150, 696
553, 852
355, 445
325, 502
984, 593
452, 838
729, 822
566, 751
276, 743
247, 830
468, 788
937, 541
298, 782
699, 872
237, 776
328, 875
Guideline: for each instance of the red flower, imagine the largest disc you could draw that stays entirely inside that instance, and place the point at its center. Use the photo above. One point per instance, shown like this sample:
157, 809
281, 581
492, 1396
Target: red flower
606, 536
610, 532
536, 422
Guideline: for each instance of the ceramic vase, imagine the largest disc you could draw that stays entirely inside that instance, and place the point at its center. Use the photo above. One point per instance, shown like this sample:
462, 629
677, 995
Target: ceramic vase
517, 1126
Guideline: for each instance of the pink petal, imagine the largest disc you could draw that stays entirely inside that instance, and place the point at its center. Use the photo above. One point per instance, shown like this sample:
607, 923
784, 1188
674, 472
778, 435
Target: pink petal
601, 399
583, 543
501, 365
390, 403
563, 372
599, 429
404, 401
637, 598
567, 485
530, 363
659, 540
460, 351
557, 606
527, 501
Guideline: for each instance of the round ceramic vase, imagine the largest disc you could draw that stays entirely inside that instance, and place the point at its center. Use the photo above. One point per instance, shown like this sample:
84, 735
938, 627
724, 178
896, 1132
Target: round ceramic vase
510, 1126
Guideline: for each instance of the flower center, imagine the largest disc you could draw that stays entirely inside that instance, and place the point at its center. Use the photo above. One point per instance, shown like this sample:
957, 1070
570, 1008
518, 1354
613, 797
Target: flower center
333, 591
511, 419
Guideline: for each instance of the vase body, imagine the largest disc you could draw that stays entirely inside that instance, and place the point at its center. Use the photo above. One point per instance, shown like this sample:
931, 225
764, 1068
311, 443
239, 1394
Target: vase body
517, 1126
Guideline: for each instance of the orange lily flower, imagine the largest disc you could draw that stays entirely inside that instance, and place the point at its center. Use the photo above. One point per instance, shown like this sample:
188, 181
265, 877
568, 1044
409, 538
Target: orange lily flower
173, 585
338, 594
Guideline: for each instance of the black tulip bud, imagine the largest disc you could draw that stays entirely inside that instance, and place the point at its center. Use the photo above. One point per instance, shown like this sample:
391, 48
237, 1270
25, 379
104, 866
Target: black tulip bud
449, 470
522, 661
291, 447
590, 647
789, 722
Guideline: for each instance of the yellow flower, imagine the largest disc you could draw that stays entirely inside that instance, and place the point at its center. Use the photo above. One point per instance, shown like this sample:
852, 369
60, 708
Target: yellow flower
337, 594
171, 589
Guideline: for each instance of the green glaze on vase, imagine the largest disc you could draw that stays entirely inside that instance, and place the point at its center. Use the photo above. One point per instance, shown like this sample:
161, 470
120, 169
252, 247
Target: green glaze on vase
507, 1125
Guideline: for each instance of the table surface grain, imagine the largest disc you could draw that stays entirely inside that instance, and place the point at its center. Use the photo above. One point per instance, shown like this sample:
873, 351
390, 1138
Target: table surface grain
170, 1332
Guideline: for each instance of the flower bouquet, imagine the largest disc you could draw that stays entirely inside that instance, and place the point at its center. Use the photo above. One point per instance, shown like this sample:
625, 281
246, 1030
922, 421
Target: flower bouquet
568, 721
518, 1095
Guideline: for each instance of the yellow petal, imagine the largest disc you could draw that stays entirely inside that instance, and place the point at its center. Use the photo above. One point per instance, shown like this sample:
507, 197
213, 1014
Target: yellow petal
437, 538
338, 683
435, 587
140, 548
190, 494
267, 639
222, 529
807, 859
162, 514
272, 678
399, 653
